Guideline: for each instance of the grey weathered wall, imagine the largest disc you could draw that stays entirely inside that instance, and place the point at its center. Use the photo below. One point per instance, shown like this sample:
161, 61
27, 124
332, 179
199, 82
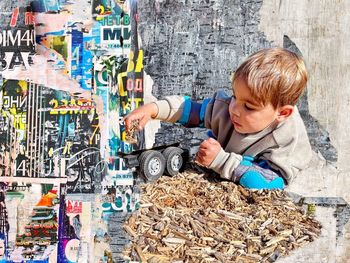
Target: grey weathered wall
192, 47
320, 30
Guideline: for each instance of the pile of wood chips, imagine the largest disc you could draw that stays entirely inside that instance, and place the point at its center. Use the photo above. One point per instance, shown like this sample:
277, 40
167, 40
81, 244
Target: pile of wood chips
187, 218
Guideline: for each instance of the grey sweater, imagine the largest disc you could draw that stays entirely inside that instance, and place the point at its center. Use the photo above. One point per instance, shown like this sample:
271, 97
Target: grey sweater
285, 146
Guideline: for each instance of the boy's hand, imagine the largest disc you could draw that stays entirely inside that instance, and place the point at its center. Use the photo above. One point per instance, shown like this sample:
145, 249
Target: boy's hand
207, 152
142, 114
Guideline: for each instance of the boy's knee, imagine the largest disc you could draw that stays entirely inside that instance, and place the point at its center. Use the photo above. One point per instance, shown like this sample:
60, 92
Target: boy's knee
255, 180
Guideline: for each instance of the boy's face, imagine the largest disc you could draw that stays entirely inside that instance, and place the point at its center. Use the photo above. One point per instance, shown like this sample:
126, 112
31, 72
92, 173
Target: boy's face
247, 114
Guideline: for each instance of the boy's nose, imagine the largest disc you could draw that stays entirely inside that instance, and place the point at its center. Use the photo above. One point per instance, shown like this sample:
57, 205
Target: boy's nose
234, 109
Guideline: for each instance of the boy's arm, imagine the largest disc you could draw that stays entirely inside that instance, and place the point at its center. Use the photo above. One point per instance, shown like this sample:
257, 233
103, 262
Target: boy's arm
289, 162
173, 109
183, 110
246, 171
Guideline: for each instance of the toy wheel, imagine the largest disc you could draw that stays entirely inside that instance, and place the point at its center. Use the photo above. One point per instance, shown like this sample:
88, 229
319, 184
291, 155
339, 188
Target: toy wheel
174, 160
152, 165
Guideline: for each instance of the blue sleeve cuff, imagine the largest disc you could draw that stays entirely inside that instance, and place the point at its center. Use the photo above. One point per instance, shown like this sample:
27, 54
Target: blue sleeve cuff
255, 180
251, 173
186, 111
258, 175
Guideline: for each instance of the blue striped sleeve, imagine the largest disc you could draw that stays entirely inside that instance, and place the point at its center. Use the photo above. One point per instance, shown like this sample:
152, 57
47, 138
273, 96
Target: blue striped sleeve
193, 113
203, 109
186, 111
251, 175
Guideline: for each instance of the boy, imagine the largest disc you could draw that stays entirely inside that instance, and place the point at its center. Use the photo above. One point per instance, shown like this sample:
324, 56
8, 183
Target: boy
261, 141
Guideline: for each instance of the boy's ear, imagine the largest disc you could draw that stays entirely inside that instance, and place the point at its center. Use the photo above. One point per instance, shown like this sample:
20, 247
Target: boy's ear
284, 112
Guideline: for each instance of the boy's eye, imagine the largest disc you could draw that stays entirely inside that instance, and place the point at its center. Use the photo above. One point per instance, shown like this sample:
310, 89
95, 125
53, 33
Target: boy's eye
247, 107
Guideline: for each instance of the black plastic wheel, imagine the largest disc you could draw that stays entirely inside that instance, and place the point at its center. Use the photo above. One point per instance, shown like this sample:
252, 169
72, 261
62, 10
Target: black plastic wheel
173, 160
152, 165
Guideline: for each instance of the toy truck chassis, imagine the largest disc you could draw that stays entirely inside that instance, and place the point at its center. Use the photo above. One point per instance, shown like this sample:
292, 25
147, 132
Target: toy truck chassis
152, 163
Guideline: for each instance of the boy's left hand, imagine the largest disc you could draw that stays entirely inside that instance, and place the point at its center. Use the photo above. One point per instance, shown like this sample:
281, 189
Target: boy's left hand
207, 152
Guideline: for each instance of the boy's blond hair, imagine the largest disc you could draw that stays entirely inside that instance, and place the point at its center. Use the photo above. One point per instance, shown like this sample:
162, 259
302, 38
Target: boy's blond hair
274, 75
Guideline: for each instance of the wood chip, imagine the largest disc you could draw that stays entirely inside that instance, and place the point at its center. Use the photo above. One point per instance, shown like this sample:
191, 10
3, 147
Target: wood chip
275, 240
140, 253
187, 218
130, 231
130, 134
174, 240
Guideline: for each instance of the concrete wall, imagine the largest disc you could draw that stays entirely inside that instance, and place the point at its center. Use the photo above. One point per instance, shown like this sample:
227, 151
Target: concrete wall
320, 30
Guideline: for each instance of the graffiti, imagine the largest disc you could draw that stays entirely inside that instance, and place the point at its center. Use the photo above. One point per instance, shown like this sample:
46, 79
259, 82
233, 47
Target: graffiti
36, 207
13, 102
119, 199
67, 127
82, 172
114, 35
24, 39
52, 131
116, 20
81, 56
17, 44
14, 17
10, 60
74, 207
72, 106
75, 232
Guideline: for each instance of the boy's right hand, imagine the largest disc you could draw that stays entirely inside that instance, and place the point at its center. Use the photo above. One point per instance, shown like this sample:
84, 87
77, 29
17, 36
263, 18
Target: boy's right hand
142, 114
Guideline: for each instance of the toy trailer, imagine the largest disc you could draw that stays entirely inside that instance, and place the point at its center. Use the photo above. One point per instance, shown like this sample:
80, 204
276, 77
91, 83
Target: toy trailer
153, 163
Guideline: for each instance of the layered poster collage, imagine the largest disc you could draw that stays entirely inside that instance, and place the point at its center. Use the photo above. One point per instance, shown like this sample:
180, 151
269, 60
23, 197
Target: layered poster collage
70, 71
